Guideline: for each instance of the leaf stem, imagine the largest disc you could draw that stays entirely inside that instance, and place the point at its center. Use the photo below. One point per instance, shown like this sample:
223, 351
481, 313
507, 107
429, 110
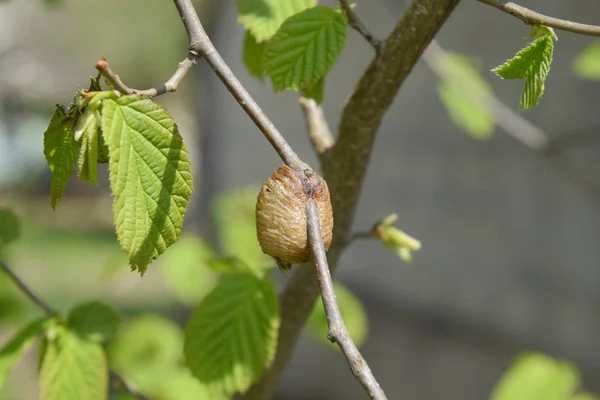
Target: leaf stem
201, 44
37, 300
531, 17
338, 333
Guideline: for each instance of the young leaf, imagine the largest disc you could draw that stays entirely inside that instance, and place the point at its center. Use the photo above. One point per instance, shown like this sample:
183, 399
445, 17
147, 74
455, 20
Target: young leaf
533, 64
150, 176
94, 321
186, 270
234, 214
10, 228
305, 48
587, 63
88, 133
60, 150
73, 369
263, 17
11, 351
464, 92
232, 335
252, 53
537, 377
583, 396
353, 311
181, 385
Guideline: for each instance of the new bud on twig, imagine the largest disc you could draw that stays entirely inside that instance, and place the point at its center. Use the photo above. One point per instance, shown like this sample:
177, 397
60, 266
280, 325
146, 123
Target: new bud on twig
401, 242
281, 214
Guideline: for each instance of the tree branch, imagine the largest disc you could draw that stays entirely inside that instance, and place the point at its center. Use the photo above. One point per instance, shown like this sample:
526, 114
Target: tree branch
358, 26
169, 86
345, 164
531, 17
316, 124
116, 378
337, 329
201, 44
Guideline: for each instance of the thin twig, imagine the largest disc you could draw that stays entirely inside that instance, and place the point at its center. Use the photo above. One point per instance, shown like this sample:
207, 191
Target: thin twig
28, 292
202, 45
531, 17
169, 86
358, 26
316, 124
337, 329
361, 236
37, 300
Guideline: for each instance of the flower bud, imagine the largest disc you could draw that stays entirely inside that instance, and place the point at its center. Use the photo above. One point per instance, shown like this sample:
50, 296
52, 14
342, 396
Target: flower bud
281, 222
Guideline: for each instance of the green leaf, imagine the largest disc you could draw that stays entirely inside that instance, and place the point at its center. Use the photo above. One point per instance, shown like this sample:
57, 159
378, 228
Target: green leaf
232, 335
186, 270
20, 342
146, 349
305, 48
252, 53
60, 150
537, 377
353, 312
264, 17
532, 63
234, 214
88, 134
587, 63
94, 321
150, 176
315, 91
181, 385
464, 94
10, 228
73, 369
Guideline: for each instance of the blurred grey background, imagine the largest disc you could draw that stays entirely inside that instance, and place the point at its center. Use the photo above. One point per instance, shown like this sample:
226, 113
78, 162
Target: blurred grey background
510, 259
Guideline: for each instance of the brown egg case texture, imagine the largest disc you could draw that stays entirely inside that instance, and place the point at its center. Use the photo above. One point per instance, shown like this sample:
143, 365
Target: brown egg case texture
281, 215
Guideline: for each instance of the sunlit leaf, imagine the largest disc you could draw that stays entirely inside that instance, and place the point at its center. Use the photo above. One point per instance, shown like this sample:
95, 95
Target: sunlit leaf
234, 213
537, 377
232, 335
533, 64
587, 63
264, 17
186, 267
464, 93
146, 350
73, 369
150, 176
305, 48
18, 344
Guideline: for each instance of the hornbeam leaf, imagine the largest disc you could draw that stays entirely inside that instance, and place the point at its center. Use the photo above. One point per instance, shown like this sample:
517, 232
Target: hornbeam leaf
232, 335
150, 176
60, 149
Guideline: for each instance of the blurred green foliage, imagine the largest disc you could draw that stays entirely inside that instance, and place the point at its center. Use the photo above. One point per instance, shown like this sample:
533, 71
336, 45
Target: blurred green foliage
535, 376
